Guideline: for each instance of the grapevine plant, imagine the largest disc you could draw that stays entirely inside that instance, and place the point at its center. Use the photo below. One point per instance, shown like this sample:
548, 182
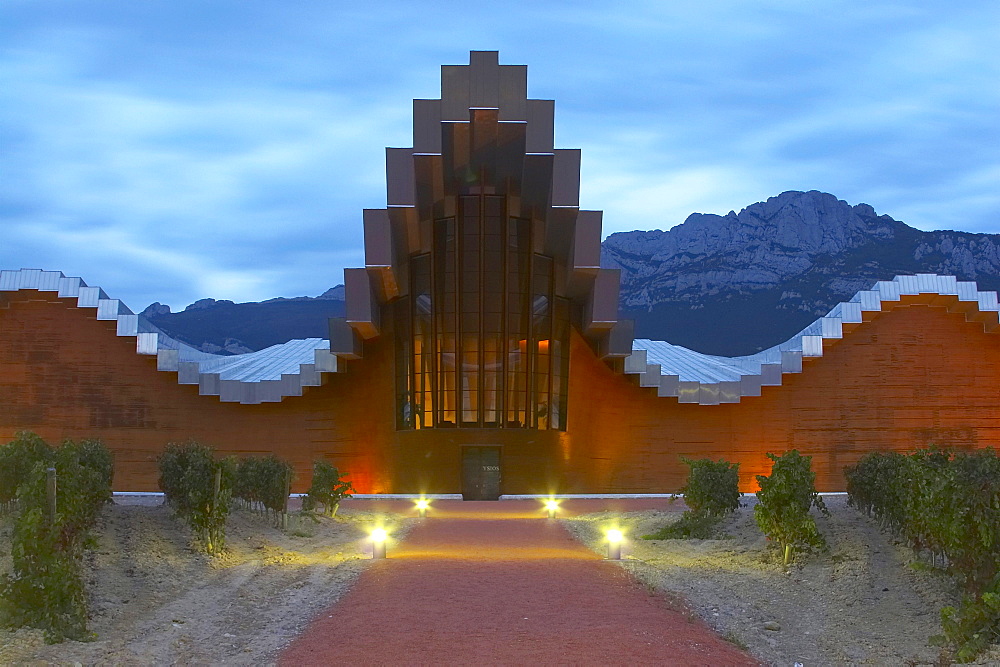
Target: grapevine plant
711, 493
946, 506
263, 484
328, 488
45, 589
784, 501
17, 458
199, 489
975, 625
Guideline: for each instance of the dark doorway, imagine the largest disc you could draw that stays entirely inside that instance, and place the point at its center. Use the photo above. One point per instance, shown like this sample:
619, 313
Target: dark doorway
481, 473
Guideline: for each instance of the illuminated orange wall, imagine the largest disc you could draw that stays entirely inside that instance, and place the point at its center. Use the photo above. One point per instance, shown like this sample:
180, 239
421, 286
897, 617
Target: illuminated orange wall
64, 374
910, 377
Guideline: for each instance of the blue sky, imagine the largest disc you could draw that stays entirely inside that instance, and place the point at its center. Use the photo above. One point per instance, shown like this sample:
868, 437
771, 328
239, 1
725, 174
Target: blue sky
171, 151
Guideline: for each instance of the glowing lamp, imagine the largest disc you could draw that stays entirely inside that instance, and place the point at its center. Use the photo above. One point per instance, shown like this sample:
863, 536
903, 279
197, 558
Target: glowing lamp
615, 539
422, 506
551, 506
379, 537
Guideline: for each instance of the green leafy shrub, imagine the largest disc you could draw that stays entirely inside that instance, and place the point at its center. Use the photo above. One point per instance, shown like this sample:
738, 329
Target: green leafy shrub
784, 501
263, 484
876, 486
199, 489
712, 491
93, 455
17, 458
972, 627
925, 480
245, 482
45, 589
946, 505
969, 519
328, 488
713, 487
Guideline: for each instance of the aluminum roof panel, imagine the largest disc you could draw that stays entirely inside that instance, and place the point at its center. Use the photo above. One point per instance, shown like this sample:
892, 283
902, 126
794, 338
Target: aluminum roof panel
283, 369
707, 379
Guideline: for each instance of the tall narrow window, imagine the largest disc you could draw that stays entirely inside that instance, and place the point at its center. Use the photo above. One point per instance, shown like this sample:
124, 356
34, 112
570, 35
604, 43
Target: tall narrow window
486, 344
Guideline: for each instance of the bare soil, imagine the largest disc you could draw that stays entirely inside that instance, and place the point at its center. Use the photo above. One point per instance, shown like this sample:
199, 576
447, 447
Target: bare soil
867, 600
154, 600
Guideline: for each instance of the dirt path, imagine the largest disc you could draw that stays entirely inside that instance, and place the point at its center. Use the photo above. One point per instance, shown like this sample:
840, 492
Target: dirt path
154, 601
508, 590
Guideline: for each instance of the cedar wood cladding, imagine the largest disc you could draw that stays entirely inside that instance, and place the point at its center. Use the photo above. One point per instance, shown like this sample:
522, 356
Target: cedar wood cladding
913, 376
921, 369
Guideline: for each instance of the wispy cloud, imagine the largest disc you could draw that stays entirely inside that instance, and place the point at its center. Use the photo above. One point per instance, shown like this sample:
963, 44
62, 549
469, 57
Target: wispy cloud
176, 150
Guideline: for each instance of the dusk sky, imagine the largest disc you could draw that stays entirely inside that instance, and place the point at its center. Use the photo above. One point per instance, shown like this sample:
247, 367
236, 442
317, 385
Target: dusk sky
171, 151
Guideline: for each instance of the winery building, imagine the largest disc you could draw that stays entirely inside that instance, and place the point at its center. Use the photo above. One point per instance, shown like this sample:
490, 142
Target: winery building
482, 352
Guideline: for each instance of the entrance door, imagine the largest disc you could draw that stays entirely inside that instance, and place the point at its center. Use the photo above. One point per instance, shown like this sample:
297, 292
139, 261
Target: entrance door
481, 473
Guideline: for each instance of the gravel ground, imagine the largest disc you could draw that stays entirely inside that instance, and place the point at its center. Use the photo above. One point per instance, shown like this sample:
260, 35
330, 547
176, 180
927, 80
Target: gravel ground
866, 601
155, 601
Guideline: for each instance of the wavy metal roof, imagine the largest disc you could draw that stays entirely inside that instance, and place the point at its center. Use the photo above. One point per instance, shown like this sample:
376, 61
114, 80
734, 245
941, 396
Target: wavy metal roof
264, 376
705, 379
283, 370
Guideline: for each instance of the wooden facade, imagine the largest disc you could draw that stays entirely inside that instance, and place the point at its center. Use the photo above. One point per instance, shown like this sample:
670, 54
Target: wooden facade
479, 274
913, 376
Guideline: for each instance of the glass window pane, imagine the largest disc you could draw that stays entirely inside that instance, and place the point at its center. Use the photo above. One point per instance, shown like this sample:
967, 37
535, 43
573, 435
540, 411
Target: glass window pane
482, 278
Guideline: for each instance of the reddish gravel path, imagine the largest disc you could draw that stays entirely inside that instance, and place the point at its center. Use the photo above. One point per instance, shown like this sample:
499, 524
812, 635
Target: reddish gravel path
468, 588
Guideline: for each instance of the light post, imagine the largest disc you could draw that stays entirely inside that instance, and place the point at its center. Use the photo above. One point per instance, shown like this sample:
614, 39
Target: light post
422, 506
551, 506
378, 542
615, 539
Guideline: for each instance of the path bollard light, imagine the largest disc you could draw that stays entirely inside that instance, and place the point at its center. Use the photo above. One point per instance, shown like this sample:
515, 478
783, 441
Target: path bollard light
378, 542
422, 506
615, 539
551, 506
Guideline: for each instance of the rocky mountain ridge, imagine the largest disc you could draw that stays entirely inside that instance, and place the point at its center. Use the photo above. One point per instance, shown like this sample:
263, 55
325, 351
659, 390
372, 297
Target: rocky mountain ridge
221, 326
721, 284
741, 282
